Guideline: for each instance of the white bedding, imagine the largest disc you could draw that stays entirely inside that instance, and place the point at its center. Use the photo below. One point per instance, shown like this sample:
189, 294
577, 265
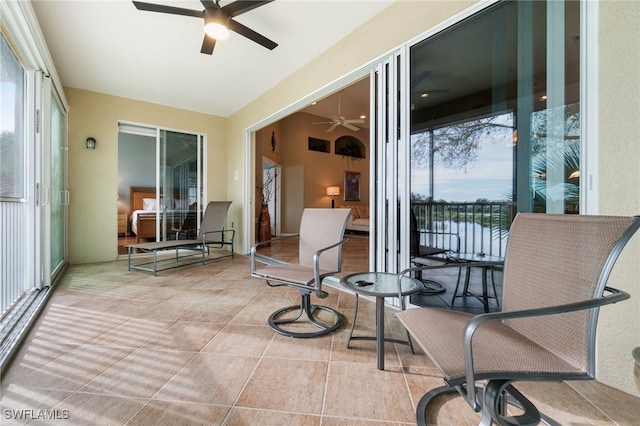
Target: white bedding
171, 214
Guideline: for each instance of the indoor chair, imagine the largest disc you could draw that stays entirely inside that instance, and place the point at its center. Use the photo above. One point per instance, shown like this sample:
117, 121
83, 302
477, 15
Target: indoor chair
555, 275
320, 255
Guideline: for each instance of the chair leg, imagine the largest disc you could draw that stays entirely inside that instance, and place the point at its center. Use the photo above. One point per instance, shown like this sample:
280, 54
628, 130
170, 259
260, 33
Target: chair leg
309, 309
497, 394
427, 398
353, 324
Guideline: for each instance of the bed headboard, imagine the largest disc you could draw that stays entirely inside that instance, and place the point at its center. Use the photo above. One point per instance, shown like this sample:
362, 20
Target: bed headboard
137, 193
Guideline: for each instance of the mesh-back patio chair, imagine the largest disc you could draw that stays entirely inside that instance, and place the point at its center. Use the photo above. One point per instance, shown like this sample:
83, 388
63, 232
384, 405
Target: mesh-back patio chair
320, 255
555, 275
211, 233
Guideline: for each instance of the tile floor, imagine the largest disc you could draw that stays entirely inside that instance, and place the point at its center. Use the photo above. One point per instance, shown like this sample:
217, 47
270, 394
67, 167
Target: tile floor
191, 346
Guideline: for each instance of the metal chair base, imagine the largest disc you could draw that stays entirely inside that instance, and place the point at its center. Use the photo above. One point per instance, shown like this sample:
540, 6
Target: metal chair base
307, 308
496, 395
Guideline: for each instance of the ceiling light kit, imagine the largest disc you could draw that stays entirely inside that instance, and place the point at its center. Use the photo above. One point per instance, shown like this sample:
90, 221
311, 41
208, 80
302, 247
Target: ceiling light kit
217, 20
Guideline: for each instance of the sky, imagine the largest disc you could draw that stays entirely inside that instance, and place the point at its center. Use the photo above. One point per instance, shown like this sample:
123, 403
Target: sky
490, 176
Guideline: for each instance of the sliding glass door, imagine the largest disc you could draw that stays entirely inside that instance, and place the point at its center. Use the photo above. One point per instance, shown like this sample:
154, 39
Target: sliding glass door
160, 184
465, 138
496, 129
59, 192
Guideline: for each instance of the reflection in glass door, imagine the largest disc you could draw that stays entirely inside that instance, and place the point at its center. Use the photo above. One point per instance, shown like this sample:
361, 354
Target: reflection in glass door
160, 184
496, 130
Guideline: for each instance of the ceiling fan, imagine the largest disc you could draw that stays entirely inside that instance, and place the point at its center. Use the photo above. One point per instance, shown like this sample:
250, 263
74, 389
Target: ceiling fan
217, 20
339, 120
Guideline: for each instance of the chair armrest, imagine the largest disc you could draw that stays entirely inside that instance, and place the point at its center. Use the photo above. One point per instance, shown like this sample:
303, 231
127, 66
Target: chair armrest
451, 235
222, 233
475, 322
316, 266
450, 265
255, 247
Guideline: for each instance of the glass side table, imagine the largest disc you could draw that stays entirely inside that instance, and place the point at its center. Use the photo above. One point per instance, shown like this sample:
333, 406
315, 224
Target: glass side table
379, 285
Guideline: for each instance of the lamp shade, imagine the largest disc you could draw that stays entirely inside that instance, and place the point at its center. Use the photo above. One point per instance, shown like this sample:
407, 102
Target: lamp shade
333, 190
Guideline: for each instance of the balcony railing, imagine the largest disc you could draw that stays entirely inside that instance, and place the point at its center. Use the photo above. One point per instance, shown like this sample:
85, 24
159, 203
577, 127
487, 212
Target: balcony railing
481, 227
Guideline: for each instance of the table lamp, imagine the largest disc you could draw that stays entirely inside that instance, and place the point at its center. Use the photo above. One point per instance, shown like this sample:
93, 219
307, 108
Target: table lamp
333, 191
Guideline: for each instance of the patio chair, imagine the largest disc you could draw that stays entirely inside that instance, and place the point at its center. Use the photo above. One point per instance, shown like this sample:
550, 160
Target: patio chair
319, 256
211, 233
426, 246
555, 275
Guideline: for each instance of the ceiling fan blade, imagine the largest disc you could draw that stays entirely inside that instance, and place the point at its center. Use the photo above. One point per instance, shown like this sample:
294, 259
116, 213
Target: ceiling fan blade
351, 127
333, 126
252, 35
354, 121
209, 4
418, 79
238, 7
207, 45
150, 7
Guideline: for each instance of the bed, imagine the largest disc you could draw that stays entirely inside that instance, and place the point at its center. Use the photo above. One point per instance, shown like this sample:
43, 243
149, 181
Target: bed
142, 220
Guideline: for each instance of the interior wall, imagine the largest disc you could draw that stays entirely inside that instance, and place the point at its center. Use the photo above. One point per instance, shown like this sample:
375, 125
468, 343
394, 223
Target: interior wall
307, 173
93, 174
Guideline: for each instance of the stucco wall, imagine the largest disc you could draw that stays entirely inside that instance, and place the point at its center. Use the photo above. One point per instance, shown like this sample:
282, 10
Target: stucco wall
619, 180
93, 174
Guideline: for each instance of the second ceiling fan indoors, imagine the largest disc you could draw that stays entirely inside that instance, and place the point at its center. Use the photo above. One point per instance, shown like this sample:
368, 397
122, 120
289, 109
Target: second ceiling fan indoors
339, 120
217, 20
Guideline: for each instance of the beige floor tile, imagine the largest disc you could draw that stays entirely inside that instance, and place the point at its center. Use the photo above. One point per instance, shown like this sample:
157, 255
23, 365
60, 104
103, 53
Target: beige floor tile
210, 378
172, 413
212, 312
185, 336
362, 391
133, 333
317, 349
141, 374
246, 417
286, 385
19, 402
240, 339
609, 400
563, 404
96, 410
71, 370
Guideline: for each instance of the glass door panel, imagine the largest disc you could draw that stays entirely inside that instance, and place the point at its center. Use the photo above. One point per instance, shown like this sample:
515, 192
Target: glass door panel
59, 193
180, 182
160, 184
497, 129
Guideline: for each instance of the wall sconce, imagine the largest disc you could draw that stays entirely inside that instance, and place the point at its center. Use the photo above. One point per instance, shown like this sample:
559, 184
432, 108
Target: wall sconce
91, 143
333, 191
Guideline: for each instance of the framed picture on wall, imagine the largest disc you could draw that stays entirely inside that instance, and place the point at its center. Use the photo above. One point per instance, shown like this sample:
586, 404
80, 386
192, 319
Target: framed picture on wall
351, 186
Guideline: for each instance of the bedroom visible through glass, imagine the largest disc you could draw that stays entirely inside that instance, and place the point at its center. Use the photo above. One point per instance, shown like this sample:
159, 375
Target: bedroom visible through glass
160, 184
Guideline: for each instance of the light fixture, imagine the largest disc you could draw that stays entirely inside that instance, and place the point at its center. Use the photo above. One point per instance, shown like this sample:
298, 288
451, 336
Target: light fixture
216, 24
91, 143
575, 174
333, 191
